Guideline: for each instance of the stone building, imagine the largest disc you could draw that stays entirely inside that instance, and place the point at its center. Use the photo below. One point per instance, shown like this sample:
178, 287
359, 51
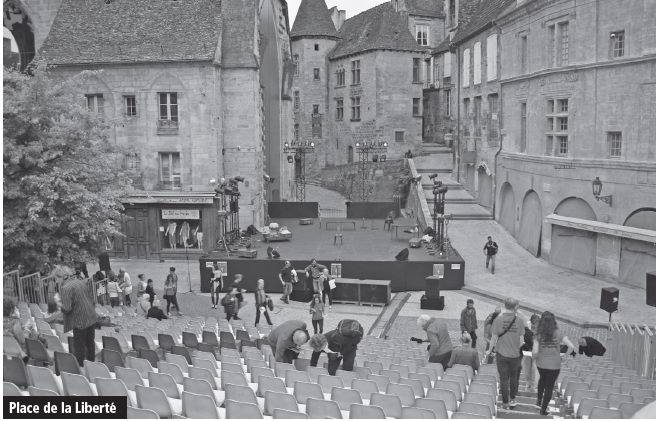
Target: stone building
196, 88
578, 94
361, 78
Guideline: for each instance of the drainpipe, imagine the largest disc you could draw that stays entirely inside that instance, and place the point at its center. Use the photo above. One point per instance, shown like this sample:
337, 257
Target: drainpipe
499, 116
457, 78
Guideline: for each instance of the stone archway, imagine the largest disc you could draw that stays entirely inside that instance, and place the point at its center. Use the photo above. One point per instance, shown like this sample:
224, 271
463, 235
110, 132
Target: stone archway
573, 248
17, 21
638, 257
507, 209
530, 225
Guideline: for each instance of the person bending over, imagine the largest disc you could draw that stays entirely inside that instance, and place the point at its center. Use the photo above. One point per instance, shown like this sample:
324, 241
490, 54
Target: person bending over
465, 354
591, 347
286, 340
438, 336
342, 344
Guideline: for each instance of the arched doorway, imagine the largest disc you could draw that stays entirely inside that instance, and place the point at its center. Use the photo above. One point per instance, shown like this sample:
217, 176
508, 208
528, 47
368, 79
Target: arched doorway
638, 257
573, 248
530, 225
16, 20
350, 154
484, 187
507, 210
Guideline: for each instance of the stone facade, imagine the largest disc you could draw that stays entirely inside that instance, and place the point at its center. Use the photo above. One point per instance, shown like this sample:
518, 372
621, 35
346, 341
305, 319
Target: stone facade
576, 106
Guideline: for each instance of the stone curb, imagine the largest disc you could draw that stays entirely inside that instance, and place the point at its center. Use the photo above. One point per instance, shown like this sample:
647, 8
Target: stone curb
395, 307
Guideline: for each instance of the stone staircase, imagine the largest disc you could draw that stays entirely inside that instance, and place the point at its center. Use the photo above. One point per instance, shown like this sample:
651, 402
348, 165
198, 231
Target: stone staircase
438, 160
526, 406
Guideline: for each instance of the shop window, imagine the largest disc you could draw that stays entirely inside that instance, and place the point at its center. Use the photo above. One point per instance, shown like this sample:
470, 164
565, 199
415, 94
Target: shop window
181, 228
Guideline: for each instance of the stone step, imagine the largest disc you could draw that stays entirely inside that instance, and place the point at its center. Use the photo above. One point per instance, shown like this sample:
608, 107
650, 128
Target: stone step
435, 148
433, 170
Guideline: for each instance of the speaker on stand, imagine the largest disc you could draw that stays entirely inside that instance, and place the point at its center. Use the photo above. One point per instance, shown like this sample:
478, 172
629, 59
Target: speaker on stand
610, 298
432, 300
650, 289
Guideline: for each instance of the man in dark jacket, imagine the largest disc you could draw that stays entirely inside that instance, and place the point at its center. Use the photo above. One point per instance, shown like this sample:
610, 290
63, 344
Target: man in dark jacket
343, 349
468, 322
490, 250
591, 347
286, 340
155, 312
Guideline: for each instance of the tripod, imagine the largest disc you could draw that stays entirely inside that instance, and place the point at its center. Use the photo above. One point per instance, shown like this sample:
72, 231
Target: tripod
188, 270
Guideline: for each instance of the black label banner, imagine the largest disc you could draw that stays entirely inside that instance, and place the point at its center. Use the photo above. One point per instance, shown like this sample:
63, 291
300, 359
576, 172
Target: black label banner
81, 407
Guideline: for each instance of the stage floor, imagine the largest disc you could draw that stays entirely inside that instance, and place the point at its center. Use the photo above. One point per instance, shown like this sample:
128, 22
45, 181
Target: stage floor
371, 243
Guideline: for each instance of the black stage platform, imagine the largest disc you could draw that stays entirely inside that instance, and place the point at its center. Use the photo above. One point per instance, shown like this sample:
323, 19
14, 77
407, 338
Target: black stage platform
366, 253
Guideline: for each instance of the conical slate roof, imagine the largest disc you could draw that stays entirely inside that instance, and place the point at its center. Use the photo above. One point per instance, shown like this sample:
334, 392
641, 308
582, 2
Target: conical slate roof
313, 20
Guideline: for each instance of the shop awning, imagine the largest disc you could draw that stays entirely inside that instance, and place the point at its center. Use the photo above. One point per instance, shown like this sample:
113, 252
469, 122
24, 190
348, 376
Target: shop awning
603, 228
170, 197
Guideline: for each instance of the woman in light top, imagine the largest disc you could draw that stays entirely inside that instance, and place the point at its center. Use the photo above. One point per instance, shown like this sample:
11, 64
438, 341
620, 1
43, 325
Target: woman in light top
317, 310
216, 284
546, 353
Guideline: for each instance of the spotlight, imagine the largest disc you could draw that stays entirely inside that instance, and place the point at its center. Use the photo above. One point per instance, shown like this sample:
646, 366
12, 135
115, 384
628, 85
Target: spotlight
375, 158
383, 158
297, 157
312, 144
267, 178
432, 176
240, 179
385, 144
357, 144
290, 159
286, 144
416, 179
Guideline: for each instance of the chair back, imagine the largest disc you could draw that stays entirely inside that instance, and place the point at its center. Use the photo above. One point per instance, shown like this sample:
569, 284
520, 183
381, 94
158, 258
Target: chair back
43, 378
36, 351
11, 347
293, 376
10, 389
437, 406
391, 404
139, 342
110, 342
36, 391
273, 384
178, 360
242, 410
76, 385
303, 391
111, 359
130, 377
476, 409
66, 362
154, 399
282, 414
181, 350
229, 377
416, 413
189, 339
598, 413
141, 414
14, 371
365, 387
54, 343
257, 372
366, 412
165, 382
403, 391
345, 397
274, 400
165, 341
199, 406
204, 374
446, 395
416, 385
320, 408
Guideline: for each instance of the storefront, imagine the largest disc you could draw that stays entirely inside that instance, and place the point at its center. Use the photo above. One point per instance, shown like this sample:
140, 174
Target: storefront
166, 225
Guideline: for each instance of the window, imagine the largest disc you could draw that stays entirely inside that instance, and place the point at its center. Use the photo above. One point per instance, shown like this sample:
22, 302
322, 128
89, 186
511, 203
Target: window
296, 64
297, 100
435, 71
493, 116
355, 72
95, 103
447, 65
416, 70
130, 105
522, 135
399, 136
477, 115
614, 144
316, 123
339, 109
317, 73
523, 53
558, 44
416, 107
557, 127
168, 106
617, 44
296, 132
315, 109
341, 77
169, 170
422, 34
447, 102
491, 54
316, 47
477, 63
466, 117
465, 68
355, 108
452, 13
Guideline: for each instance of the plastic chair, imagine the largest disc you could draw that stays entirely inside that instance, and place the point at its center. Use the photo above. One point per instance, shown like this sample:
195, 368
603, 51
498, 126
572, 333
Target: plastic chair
190, 340
14, 371
375, 366
273, 384
628, 409
579, 395
416, 413
586, 405
362, 372
346, 376
314, 372
605, 390
281, 368
381, 381
404, 370
10, 389
76, 385
65, 362
37, 352
483, 388
393, 375
241, 394
572, 386
345, 397
416, 385
461, 380
110, 342
467, 416
204, 374
403, 391
274, 400
37, 391
483, 399
303, 391
141, 414
43, 378
181, 350
365, 387
604, 413
452, 386
320, 409
437, 406
54, 343
615, 399
154, 399
209, 338
287, 415
447, 396
142, 365
366, 412
475, 409
242, 410
440, 370
164, 382
466, 368
255, 362
150, 355
130, 377
424, 378
626, 387
172, 370
198, 406
11, 347
111, 359
257, 372
640, 394
391, 404
202, 387
228, 377
232, 367
139, 342
293, 376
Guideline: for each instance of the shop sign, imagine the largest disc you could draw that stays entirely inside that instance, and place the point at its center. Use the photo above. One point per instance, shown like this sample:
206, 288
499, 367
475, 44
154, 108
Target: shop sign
180, 214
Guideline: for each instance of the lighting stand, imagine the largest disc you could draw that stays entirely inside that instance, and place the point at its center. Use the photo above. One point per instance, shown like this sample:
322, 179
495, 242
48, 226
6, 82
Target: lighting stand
297, 151
364, 149
439, 191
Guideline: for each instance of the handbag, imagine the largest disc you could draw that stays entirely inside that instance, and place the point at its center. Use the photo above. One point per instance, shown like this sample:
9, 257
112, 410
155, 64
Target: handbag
269, 303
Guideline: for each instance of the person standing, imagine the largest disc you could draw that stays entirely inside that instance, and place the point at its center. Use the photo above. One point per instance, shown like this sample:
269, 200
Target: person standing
141, 286
261, 303
236, 284
314, 272
230, 304
438, 336
317, 311
114, 290
487, 328
507, 332
79, 316
591, 347
150, 290
216, 284
286, 340
171, 289
546, 352
325, 288
286, 276
125, 283
468, 322
528, 362
490, 250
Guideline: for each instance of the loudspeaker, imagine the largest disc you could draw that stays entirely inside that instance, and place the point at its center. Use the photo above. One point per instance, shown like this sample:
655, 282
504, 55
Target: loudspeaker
347, 292
432, 287
651, 289
372, 292
432, 303
103, 262
609, 299
301, 296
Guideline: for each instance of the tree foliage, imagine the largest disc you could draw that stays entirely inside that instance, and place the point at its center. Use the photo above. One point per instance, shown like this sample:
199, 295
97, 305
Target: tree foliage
63, 180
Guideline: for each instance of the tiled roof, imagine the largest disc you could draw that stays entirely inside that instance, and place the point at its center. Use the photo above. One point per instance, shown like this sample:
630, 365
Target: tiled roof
313, 19
432, 8
443, 46
483, 16
118, 31
239, 43
379, 28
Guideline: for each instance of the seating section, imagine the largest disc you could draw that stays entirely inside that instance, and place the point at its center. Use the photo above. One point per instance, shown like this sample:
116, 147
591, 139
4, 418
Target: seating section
197, 367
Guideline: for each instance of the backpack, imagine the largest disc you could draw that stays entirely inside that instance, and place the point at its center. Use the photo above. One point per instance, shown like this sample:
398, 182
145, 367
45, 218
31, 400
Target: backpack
403, 255
351, 328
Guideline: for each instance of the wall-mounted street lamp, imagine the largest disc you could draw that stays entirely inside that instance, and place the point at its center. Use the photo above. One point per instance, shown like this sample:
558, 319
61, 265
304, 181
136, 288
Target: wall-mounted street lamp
597, 185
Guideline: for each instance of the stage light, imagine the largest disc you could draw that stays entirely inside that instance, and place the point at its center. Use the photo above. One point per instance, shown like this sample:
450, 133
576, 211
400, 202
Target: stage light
385, 144
312, 144
433, 176
375, 158
286, 145
240, 179
357, 144
383, 158
290, 159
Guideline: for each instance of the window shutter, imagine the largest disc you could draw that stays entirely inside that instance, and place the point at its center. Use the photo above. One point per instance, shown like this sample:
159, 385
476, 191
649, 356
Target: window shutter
477, 63
491, 57
465, 68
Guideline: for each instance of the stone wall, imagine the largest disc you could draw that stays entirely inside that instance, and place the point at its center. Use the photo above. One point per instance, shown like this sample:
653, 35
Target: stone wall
382, 177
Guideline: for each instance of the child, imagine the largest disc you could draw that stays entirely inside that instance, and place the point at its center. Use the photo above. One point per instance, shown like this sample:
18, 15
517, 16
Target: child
150, 291
141, 285
317, 311
113, 290
261, 303
230, 304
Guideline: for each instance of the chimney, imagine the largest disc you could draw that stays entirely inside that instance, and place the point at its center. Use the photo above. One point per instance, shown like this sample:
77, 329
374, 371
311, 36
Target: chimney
342, 18
338, 17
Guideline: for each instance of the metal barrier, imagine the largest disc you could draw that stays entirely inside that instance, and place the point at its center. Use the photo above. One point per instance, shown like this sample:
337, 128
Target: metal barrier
332, 213
99, 291
50, 286
30, 289
634, 347
10, 284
